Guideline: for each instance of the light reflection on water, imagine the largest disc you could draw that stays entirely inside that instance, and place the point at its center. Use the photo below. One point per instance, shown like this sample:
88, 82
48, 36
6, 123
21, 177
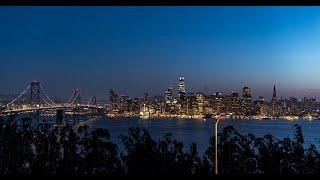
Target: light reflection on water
200, 131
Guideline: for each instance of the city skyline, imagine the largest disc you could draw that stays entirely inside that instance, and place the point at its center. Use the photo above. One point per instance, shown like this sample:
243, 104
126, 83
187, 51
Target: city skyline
136, 49
177, 91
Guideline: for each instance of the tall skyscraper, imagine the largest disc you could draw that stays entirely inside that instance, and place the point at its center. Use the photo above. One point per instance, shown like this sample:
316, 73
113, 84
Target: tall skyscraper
200, 103
246, 101
113, 97
182, 89
274, 91
218, 102
191, 104
261, 106
274, 103
168, 100
182, 100
233, 103
168, 95
114, 100
246, 93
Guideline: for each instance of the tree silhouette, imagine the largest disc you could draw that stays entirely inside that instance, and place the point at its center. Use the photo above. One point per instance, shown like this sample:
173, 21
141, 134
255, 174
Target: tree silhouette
29, 148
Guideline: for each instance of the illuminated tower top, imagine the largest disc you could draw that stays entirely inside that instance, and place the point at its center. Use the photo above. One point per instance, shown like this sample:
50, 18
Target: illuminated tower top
182, 88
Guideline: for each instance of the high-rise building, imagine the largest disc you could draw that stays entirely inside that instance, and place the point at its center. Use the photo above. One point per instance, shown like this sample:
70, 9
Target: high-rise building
200, 103
274, 103
246, 102
135, 106
246, 93
218, 103
182, 100
261, 108
182, 89
114, 102
191, 104
168, 95
233, 104
168, 100
123, 103
114, 98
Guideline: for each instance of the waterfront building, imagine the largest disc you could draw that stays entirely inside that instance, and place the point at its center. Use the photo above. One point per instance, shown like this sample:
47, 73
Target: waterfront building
261, 107
135, 106
218, 105
123, 104
168, 100
191, 104
114, 101
246, 102
233, 103
200, 103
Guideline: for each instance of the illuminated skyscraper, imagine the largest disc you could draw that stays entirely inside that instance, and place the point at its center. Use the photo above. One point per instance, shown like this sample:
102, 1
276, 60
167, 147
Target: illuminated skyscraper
274, 92
234, 103
246, 93
200, 103
182, 100
114, 98
114, 101
218, 102
274, 103
168, 95
191, 104
261, 108
182, 89
246, 102
168, 100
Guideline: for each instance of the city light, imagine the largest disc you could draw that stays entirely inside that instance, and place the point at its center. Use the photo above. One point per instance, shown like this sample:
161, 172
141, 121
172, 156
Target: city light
196, 105
199, 105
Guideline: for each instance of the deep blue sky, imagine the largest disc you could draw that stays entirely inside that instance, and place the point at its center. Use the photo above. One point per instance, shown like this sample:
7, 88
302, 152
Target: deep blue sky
133, 49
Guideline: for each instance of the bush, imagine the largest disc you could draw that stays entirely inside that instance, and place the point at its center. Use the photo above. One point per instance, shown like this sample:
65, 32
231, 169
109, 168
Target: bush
28, 149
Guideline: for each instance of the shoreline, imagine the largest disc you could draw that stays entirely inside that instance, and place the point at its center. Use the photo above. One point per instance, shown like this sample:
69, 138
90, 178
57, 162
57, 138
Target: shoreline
294, 118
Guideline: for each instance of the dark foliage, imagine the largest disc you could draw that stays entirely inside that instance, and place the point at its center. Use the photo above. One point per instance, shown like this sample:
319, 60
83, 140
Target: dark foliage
42, 149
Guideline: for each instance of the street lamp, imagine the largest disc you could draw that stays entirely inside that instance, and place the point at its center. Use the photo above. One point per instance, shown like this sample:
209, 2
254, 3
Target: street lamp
216, 143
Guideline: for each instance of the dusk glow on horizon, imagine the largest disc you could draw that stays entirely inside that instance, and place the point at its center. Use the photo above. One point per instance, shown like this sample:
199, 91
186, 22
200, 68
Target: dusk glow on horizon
138, 49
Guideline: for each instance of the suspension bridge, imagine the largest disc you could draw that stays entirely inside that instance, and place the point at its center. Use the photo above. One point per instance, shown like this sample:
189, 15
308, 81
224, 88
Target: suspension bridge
34, 99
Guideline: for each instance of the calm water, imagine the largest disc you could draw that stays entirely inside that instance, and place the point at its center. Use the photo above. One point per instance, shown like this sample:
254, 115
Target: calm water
199, 131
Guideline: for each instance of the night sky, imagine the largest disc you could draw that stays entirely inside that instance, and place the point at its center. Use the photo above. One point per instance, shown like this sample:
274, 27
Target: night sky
137, 49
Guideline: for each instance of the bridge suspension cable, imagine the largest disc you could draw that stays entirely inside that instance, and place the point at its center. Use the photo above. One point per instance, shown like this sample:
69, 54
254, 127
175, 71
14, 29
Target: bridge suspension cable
47, 103
14, 100
46, 95
75, 96
93, 101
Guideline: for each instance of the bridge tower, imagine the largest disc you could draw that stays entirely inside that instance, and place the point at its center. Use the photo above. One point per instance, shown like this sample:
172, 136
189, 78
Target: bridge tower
76, 105
35, 93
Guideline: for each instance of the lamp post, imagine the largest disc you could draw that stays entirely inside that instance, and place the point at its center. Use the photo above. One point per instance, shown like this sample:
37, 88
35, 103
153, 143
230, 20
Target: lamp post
216, 144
